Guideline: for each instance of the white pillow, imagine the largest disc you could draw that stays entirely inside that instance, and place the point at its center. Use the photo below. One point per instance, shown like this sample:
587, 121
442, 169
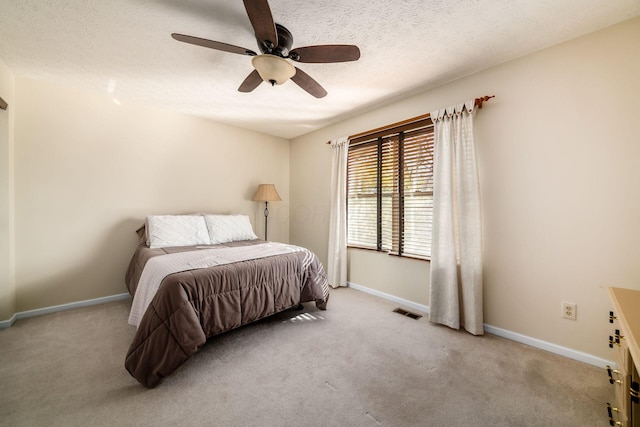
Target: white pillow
229, 228
176, 230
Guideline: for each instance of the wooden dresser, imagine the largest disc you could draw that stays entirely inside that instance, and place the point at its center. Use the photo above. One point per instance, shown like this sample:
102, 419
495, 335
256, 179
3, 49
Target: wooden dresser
624, 410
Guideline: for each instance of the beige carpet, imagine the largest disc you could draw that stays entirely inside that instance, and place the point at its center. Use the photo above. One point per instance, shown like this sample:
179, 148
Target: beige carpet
356, 364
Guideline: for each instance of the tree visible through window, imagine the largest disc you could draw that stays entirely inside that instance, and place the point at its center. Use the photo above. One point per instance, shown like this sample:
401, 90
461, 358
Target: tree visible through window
390, 189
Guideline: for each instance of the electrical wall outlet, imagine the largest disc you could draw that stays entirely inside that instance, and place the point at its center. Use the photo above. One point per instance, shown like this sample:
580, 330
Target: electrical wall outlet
569, 310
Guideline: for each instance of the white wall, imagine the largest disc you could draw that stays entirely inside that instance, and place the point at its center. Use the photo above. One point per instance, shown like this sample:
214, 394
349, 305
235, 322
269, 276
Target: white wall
88, 171
559, 158
7, 288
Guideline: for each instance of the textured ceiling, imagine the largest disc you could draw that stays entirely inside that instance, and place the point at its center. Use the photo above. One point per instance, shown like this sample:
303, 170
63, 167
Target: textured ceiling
124, 48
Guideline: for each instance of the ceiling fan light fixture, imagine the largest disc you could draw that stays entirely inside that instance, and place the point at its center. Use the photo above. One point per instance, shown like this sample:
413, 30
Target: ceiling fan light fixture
273, 69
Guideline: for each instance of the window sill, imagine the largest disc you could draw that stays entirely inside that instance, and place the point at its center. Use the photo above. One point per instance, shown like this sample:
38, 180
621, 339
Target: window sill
416, 257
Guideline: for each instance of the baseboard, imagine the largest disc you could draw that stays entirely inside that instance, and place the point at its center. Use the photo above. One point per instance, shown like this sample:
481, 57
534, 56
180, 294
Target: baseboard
63, 307
410, 304
4, 324
504, 333
553, 348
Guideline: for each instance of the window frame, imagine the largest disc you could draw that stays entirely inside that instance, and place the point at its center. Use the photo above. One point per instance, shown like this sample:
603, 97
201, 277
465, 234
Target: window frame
421, 125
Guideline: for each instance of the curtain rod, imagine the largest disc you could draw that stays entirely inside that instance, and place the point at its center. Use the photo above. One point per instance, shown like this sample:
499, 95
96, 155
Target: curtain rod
477, 102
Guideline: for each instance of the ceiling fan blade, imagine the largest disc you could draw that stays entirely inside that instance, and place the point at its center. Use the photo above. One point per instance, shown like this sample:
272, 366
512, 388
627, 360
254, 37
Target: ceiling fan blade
212, 44
307, 83
326, 53
262, 21
251, 82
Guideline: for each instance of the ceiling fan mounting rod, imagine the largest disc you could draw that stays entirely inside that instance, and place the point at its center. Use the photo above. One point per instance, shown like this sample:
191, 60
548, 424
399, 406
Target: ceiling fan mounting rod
285, 41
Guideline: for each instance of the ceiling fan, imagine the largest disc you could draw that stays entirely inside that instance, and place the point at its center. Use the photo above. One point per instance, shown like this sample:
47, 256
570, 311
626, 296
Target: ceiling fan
275, 41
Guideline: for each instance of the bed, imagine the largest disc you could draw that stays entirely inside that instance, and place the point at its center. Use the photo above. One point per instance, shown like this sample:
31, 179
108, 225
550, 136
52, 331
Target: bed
184, 294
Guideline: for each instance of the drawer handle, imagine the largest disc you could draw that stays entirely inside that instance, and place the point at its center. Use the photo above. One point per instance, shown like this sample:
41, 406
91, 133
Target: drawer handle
613, 341
610, 372
610, 411
613, 422
611, 317
634, 391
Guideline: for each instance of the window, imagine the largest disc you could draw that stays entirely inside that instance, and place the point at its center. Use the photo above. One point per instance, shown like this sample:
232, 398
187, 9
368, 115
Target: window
390, 189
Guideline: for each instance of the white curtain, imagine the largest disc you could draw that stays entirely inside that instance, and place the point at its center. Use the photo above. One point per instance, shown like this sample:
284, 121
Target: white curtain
337, 258
456, 249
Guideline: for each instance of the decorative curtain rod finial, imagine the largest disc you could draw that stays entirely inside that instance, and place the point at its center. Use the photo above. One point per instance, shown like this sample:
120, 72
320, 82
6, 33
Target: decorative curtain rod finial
479, 101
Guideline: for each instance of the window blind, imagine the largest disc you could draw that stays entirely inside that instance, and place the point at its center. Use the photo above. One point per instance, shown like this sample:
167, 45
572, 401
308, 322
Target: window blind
418, 192
362, 196
390, 190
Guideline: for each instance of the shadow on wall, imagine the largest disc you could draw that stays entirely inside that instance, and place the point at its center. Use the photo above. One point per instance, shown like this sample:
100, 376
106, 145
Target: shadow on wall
317, 215
98, 273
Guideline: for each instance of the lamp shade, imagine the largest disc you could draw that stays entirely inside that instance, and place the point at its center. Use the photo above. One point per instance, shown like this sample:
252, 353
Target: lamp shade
266, 193
273, 69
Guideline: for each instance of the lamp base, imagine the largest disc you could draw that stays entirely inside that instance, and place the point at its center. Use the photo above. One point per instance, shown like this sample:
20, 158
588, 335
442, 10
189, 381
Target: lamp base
266, 215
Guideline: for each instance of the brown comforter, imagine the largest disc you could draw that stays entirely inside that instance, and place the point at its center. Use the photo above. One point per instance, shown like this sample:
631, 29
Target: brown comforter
193, 305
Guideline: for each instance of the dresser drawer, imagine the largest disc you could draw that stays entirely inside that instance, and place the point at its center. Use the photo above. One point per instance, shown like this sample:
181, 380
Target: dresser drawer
619, 409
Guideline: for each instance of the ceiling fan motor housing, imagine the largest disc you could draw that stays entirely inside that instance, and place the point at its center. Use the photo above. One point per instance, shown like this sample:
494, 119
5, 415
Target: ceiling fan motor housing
285, 41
